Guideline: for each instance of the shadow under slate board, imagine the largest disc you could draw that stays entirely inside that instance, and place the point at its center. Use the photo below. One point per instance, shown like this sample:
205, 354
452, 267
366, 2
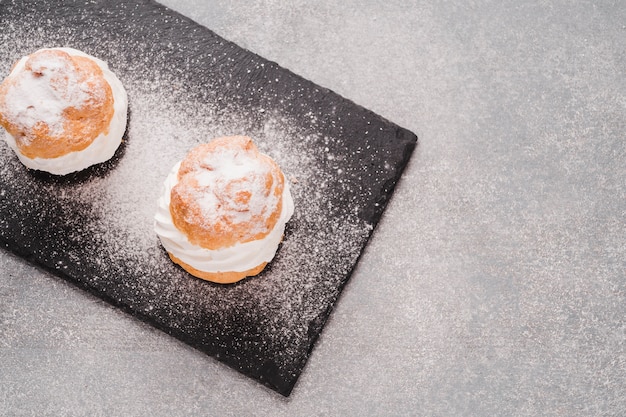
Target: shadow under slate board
187, 85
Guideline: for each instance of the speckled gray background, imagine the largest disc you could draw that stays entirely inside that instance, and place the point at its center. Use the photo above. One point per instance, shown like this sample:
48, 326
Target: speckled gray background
495, 282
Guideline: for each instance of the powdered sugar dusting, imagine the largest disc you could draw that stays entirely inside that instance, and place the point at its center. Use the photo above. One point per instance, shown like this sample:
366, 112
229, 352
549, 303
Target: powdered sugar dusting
42, 87
232, 187
98, 229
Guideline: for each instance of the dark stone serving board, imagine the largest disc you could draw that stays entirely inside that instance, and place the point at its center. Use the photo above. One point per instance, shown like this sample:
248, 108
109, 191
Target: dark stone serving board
186, 85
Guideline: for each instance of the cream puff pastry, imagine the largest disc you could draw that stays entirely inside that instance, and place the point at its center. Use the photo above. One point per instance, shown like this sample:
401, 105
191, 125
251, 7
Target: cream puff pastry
63, 110
223, 211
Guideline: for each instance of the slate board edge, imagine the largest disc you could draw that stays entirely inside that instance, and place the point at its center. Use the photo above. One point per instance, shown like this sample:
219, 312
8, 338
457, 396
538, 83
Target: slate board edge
406, 135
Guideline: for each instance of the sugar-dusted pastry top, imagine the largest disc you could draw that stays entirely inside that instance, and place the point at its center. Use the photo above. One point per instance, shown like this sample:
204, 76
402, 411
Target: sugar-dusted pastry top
224, 208
58, 103
227, 193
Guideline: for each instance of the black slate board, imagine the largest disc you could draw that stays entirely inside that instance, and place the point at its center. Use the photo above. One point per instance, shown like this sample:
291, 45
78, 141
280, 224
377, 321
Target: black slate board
185, 85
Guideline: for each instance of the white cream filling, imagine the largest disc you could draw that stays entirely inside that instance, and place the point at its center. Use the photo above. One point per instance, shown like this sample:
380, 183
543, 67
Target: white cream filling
238, 258
102, 148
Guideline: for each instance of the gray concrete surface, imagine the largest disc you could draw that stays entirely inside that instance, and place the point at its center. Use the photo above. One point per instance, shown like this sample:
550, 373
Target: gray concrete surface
507, 295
